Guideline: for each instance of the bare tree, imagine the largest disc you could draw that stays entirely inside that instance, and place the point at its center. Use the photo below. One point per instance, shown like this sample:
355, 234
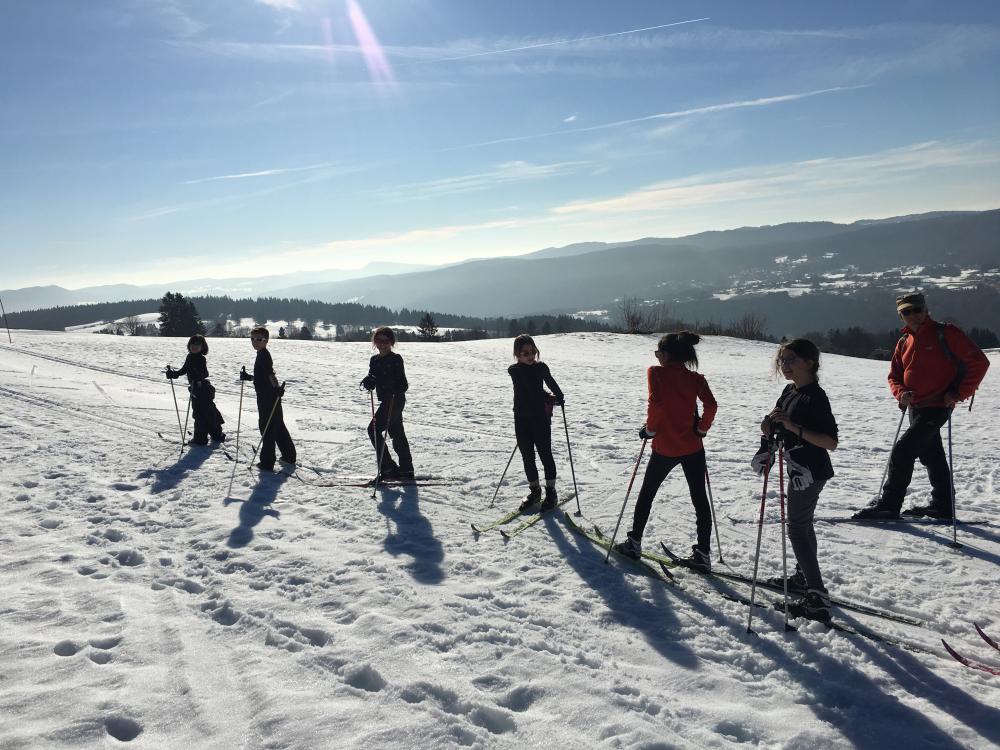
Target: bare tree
639, 317
130, 325
751, 326
633, 316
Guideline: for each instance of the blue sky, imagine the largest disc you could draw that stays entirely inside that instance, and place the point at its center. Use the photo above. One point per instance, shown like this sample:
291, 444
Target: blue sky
155, 140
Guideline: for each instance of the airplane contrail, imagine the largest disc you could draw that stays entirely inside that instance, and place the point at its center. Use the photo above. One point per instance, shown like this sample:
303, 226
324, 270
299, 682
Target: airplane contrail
741, 104
565, 41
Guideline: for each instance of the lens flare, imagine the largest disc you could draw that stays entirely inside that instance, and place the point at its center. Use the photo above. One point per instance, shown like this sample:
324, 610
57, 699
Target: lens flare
378, 65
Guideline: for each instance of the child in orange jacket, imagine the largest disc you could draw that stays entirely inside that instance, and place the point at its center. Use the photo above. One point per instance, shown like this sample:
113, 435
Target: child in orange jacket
673, 423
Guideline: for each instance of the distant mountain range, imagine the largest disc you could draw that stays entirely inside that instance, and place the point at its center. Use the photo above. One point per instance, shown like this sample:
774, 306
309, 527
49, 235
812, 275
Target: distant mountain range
805, 271
37, 297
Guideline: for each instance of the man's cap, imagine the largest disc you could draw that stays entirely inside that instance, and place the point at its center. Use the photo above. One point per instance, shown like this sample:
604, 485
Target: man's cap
913, 299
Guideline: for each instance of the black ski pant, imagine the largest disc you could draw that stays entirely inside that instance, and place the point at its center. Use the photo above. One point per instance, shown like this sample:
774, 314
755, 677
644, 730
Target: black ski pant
535, 433
657, 469
397, 434
207, 419
276, 434
801, 507
921, 440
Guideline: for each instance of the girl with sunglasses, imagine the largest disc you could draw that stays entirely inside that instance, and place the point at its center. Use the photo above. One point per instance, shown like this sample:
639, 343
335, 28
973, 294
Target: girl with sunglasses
803, 422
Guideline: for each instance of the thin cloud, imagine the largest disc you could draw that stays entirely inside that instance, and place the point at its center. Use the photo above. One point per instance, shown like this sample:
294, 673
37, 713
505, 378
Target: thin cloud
506, 173
281, 4
260, 173
740, 104
564, 41
791, 179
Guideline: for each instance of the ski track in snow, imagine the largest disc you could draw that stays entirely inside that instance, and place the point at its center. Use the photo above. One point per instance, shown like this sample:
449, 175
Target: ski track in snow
144, 608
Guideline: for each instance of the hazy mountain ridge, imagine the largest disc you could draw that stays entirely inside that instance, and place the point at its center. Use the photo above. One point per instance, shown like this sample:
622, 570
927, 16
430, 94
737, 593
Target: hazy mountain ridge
38, 297
803, 270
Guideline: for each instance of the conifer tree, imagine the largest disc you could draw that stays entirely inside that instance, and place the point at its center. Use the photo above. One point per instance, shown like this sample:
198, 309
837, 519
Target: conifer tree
179, 316
428, 328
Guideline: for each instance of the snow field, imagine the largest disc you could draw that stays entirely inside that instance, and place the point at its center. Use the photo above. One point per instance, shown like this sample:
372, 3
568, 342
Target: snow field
143, 607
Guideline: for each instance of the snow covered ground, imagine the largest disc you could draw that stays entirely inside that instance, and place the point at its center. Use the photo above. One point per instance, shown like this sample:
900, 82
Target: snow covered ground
141, 607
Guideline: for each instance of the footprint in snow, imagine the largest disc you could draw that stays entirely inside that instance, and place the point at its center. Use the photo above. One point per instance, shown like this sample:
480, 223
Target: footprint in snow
122, 728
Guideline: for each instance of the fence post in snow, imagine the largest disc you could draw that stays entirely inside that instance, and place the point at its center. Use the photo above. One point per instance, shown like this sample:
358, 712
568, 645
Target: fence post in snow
5, 322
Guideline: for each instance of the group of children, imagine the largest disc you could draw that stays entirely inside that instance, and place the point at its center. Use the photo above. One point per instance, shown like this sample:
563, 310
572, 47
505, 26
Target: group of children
801, 426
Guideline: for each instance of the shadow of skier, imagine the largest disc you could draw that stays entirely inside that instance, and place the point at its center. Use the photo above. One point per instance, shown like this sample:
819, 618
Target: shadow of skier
413, 534
254, 509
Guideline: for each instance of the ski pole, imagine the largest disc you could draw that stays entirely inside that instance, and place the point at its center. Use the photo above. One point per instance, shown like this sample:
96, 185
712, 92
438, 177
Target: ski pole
503, 475
889, 459
951, 476
177, 409
267, 426
187, 416
385, 437
760, 532
371, 395
236, 459
784, 544
569, 451
711, 505
627, 493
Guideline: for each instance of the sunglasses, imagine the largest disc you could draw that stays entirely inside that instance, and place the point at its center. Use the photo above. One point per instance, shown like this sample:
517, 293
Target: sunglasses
787, 360
257, 338
911, 311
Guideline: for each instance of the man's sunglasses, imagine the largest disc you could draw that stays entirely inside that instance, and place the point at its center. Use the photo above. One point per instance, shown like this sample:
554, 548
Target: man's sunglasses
257, 338
910, 311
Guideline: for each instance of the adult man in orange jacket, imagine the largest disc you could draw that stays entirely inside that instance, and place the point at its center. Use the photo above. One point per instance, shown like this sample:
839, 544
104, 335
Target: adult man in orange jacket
934, 366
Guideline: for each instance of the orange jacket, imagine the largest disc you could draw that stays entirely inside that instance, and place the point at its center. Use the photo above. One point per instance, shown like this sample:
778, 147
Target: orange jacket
673, 394
920, 364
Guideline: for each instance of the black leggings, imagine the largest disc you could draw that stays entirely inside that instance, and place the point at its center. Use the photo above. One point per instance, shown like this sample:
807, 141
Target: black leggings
276, 435
535, 433
396, 433
694, 472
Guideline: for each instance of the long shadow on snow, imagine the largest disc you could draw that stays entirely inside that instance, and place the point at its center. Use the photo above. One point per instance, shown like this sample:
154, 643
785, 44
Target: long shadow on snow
851, 700
413, 536
654, 619
841, 695
254, 509
940, 538
864, 712
169, 477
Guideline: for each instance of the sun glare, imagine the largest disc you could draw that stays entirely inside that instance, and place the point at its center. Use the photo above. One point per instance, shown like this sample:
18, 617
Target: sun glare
378, 65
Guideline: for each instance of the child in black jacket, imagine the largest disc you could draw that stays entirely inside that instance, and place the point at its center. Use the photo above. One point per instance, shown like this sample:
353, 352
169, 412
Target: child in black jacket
269, 394
533, 419
387, 377
207, 419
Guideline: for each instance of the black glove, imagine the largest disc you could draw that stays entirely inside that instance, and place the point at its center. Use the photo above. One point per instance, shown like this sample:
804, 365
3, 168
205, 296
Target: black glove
368, 383
560, 400
281, 391
699, 433
172, 374
244, 375
645, 434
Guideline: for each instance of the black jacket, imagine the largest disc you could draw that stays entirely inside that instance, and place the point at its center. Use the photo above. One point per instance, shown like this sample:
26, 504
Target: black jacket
389, 374
529, 396
264, 380
195, 367
807, 406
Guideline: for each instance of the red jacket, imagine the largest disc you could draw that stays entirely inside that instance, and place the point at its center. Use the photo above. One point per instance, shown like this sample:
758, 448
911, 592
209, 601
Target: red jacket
673, 394
920, 364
